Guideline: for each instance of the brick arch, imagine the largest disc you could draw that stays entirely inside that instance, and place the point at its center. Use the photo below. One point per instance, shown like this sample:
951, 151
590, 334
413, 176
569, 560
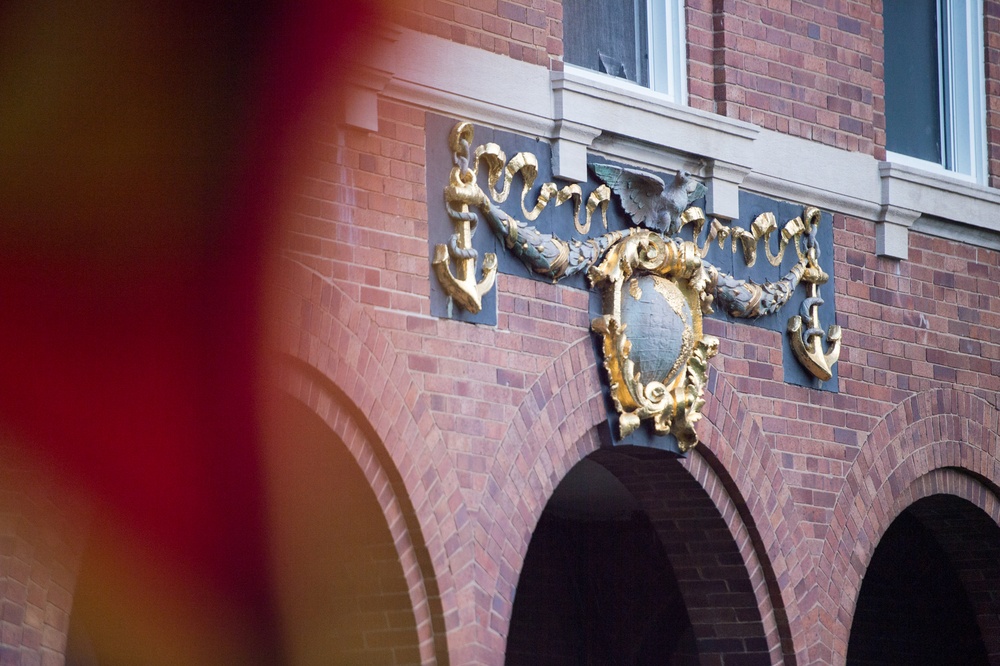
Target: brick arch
740, 455
968, 530
344, 368
908, 451
725, 494
563, 413
336, 412
970, 538
558, 416
720, 593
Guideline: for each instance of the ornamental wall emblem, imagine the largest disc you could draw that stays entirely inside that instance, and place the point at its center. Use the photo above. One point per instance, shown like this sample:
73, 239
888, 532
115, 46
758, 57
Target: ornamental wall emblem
655, 287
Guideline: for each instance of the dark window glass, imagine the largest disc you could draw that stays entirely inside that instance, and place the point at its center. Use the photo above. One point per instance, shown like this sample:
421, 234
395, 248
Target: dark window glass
607, 36
912, 80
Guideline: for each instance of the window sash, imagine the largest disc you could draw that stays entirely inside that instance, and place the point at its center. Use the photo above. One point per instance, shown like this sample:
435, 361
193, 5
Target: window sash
961, 93
650, 49
668, 62
964, 87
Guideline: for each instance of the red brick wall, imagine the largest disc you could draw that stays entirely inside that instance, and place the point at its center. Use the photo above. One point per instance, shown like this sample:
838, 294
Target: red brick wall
801, 68
878, 82
809, 69
474, 425
527, 30
463, 431
482, 422
505, 411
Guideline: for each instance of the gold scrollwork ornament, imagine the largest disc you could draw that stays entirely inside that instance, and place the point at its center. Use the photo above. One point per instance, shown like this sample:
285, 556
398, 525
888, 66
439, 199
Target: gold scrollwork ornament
655, 286
671, 398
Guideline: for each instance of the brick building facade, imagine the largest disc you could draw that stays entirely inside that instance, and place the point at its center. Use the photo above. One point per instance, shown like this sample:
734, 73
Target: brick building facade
484, 515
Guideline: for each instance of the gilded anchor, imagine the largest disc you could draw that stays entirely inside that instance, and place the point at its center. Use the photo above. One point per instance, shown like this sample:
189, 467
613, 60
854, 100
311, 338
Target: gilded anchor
462, 191
808, 345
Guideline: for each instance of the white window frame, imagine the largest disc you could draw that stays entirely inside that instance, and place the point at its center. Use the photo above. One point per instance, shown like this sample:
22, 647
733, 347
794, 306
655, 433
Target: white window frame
667, 41
963, 94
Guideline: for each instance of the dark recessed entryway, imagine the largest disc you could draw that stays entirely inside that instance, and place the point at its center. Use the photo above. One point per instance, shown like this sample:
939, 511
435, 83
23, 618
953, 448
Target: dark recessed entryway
931, 583
631, 563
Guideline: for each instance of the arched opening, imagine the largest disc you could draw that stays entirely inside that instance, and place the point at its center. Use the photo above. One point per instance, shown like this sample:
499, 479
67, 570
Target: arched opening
930, 594
338, 581
343, 594
632, 563
596, 587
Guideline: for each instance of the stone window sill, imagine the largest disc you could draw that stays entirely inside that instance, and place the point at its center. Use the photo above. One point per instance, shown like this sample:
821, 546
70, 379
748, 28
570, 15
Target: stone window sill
934, 203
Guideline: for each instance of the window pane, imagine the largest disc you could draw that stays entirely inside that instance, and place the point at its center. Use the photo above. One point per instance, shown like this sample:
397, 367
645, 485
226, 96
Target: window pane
607, 36
963, 86
912, 83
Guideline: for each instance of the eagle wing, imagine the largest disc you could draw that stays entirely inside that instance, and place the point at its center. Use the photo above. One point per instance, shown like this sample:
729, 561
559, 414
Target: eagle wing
696, 191
638, 191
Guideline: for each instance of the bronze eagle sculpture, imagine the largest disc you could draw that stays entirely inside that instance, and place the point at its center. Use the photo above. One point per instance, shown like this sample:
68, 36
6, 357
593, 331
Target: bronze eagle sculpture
647, 200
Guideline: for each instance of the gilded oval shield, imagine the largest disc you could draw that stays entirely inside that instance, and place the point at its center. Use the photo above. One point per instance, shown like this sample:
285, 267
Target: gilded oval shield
660, 326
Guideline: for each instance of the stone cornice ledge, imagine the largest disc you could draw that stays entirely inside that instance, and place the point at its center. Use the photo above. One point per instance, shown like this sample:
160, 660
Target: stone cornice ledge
629, 110
796, 169
911, 195
600, 106
469, 83
585, 112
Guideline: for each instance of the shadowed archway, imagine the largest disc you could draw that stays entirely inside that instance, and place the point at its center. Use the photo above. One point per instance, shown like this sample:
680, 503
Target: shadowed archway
931, 593
632, 563
343, 592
